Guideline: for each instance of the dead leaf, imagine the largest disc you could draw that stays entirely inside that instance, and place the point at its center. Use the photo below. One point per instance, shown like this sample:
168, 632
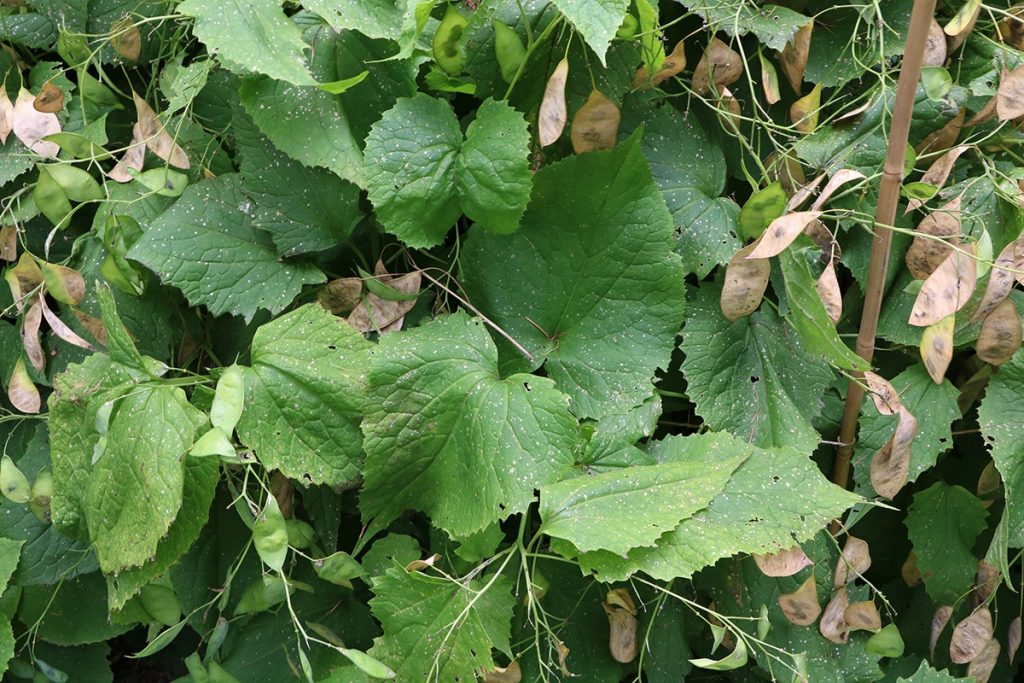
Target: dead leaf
794, 56
21, 391
971, 636
938, 173
783, 563
622, 625
133, 157
781, 232
1013, 637
340, 296
890, 466
863, 616
745, 282
553, 115
804, 112
380, 315
31, 126
927, 253
595, 125
981, 667
718, 67
937, 347
155, 135
30, 324
910, 572
853, 562
50, 99
1000, 334
8, 243
946, 290
962, 23
674, 63
126, 39
1001, 278
828, 291
833, 619
6, 116
62, 331
801, 606
935, 46
1010, 30
986, 580
944, 137
1010, 96
939, 621
883, 394
838, 179
508, 674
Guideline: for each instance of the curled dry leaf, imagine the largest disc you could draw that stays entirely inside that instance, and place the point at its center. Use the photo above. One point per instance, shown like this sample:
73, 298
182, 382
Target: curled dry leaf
155, 135
890, 466
49, 99
927, 253
1001, 277
939, 621
910, 572
21, 391
1010, 30
981, 667
8, 243
1013, 638
970, 636
781, 232
962, 23
6, 116
507, 674
883, 394
718, 67
595, 125
833, 619
62, 331
937, 347
381, 315
1010, 95
340, 296
126, 39
935, 46
745, 282
838, 179
622, 624
553, 115
944, 137
828, 291
794, 56
986, 580
1000, 334
133, 157
938, 173
783, 563
854, 561
863, 616
804, 112
946, 290
31, 126
30, 324
801, 606
674, 63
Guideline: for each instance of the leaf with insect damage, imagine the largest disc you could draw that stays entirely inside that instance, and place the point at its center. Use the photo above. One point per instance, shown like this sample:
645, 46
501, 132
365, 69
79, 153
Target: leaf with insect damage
937, 347
595, 125
946, 290
1000, 335
801, 607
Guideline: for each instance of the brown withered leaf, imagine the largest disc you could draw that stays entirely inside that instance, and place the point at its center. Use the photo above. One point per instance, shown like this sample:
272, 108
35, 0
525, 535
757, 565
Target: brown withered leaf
595, 125
30, 324
947, 289
1000, 334
910, 572
1001, 278
981, 667
944, 137
883, 394
126, 39
801, 606
833, 619
381, 315
719, 66
745, 282
674, 63
155, 135
132, 158
827, 285
781, 232
986, 580
49, 99
853, 561
1013, 638
927, 253
863, 616
31, 126
553, 115
61, 330
6, 116
21, 391
8, 243
937, 347
962, 23
1010, 95
804, 112
890, 466
783, 563
970, 636
939, 621
938, 173
935, 46
622, 625
1010, 30
838, 179
794, 56
340, 296
505, 674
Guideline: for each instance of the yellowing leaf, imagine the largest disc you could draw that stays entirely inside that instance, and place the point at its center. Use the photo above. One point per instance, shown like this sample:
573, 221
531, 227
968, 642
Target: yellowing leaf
863, 616
938, 173
553, 115
31, 126
828, 290
833, 620
801, 606
156, 137
927, 253
719, 66
971, 636
939, 621
783, 563
890, 466
946, 290
595, 125
1010, 96
794, 56
21, 391
781, 232
804, 112
853, 562
937, 347
745, 282
1000, 335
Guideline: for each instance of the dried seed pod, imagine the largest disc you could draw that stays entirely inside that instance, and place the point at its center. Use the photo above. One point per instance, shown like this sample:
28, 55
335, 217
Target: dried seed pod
729, 108
783, 563
156, 137
910, 572
1013, 638
50, 99
6, 116
1000, 334
989, 484
21, 391
781, 232
1010, 30
938, 173
863, 616
126, 39
944, 137
745, 282
927, 253
769, 81
508, 674
1001, 278
937, 347
883, 394
946, 290
596, 124
553, 115
622, 625
1010, 95
14, 484
801, 606
971, 636
833, 619
962, 23
794, 56
718, 67
935, 46
132, 159
674, 63
890, 466
30, 324
853, 562
939, 621
31, 125
828, 291
340, 296
986, 580
804, 112
838, 179
981, 667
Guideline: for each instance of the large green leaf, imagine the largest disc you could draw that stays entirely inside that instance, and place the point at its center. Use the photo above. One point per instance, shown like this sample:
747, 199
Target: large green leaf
632, 507
776, 498
304, 396
71, 612
135, 488
206, 246
392, 19
926, 674
596, 20
589, 284
753, 377
773, 25
439, 629
1001, 416
689, 169
9, 552
438, 416
251, 35
943, 523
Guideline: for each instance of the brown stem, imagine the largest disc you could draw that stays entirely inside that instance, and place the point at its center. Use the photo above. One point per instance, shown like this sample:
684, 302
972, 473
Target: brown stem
885, 215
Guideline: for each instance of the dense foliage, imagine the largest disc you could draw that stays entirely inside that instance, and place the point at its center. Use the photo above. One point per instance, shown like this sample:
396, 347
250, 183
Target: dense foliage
506, 340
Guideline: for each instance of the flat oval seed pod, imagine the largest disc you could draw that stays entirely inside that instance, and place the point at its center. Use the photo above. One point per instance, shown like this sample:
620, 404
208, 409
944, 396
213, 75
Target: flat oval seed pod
127, 39
596, 124
674, 63
935, 46
926, 253
745, 282
553, 115
828, 291
21, 391
270, 535
1010, 95
508, 674
833, 620
801, 606
962, 23
863, 616
910, 572
838, 179
947, 290
622, 625
854, 561
1000, 335
228, 400
508, 49
794, 56
937, 347
939, 621
64, 284
31, 125
1013, 637
938, 173
781, 232
30, 334
890, 466
883, 394
156, 137
783, 563
1001, 278
971, 636
804, 112
986, 580
6, 116
718, 67
981, 667
14, 484
49, 99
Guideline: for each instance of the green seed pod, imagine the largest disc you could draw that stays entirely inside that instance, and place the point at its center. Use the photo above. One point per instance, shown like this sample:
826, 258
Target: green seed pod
13, 484
161, 604
449, 52
270, 535
509, 49
300, 534
229, 400
213, 442
338, 568
627, 31
42, 494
